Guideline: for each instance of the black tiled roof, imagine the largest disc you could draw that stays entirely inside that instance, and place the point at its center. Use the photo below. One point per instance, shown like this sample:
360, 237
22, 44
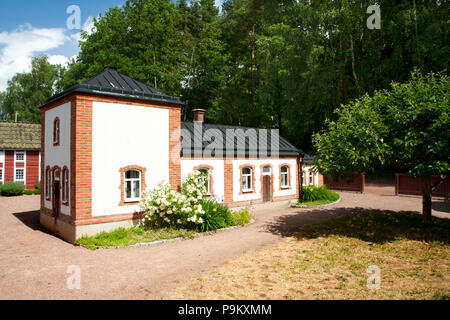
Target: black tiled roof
112, 83
285, 147
308, 158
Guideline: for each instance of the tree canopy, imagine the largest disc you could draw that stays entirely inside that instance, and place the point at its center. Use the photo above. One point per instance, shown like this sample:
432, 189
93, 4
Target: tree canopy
282, 64
407, 127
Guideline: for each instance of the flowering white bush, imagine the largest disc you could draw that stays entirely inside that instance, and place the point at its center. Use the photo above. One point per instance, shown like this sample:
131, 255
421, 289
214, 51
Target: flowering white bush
165, 206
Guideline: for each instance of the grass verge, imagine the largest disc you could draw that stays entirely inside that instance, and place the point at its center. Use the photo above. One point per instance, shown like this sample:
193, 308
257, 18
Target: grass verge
330, 261
133, 235
315, 203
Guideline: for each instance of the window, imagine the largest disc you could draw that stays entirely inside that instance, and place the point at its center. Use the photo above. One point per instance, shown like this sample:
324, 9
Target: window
132, 185
20, 156
20, 175
285, 177
65, 185
303, 178
207, 178
311, 177
47, 182
1, 175
247, 179
267, 171
56, 132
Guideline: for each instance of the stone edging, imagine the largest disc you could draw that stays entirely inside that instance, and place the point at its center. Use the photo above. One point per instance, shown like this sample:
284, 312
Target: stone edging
318, 206
142, 244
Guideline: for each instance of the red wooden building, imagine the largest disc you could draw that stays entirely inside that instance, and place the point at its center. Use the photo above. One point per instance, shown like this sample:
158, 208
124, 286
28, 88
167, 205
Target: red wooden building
20, 145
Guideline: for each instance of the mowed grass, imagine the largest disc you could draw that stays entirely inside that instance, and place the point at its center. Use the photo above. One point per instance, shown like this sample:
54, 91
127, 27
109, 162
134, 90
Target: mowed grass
130, 236
330, 261
315, 203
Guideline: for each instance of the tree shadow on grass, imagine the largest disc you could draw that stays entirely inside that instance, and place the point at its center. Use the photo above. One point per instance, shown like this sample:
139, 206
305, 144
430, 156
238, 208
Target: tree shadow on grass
371, 225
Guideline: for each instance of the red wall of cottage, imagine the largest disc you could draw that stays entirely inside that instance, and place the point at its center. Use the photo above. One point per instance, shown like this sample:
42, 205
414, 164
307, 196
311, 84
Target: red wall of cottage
9, 166
31, 171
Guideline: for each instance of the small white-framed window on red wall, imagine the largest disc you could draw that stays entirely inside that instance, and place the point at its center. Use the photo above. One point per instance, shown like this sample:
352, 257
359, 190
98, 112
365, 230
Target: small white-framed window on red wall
65, 185
285, 177
56, 131
132, 185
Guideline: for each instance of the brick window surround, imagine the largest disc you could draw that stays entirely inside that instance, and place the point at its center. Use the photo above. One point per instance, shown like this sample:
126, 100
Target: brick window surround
240, 178
56, 131
122, 171
289, 176
211, 180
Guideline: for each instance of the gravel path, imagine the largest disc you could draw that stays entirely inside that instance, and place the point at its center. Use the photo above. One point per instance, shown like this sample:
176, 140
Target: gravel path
33, 263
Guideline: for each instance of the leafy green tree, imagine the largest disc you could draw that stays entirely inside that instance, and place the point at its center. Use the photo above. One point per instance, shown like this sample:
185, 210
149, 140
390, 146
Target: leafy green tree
406, 127
140, 39
27, 91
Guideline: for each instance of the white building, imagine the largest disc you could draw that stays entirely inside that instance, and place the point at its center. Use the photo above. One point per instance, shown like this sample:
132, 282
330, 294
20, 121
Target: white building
108, 139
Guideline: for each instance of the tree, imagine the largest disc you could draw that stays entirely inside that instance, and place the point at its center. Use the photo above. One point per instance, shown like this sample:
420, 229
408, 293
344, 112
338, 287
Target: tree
406, 127
27, 91
140, 39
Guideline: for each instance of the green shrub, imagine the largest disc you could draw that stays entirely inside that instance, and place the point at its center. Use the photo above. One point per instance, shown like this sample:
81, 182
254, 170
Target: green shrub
29, 192
216, 216
313, 193
38, 186
12, 189
241, 218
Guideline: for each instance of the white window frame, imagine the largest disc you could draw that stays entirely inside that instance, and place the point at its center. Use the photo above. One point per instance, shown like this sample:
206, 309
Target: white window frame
56, 130
208, 180
24, 168
1, 175
311, 177
249, 177
65, 185
15, 175
267, 173
139, 179
48, 181
287, 173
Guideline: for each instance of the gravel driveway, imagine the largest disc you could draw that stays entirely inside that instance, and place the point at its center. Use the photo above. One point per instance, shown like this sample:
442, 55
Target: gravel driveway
34, 264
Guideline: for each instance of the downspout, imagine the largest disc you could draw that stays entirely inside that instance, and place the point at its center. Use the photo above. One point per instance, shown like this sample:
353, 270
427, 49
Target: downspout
300, 171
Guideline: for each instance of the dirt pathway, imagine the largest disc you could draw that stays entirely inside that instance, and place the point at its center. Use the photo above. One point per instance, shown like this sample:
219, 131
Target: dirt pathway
33, 264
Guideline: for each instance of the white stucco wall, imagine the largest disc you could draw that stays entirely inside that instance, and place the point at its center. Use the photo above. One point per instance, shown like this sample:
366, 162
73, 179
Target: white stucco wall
188, 165
58, 155
124, 135
258, 171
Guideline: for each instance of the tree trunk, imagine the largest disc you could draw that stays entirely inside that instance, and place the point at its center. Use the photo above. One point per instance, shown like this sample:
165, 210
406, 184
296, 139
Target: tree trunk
253, 68
426, 201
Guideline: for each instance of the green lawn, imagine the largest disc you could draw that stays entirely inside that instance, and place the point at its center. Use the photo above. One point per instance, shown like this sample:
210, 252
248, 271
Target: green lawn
315, 203
130, 236
330, 260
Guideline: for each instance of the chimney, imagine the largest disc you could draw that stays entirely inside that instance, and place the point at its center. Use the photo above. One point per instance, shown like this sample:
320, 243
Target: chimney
199, 115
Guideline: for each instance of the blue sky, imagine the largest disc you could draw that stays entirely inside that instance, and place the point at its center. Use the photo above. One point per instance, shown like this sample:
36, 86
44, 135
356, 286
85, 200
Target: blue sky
30, 28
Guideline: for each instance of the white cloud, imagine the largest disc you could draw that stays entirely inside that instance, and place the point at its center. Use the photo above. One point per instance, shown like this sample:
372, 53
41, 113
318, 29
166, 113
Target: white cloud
19, 46
88, 26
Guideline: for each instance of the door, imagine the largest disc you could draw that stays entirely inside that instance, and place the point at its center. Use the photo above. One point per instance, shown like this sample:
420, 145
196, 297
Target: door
56, 199
267, 188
